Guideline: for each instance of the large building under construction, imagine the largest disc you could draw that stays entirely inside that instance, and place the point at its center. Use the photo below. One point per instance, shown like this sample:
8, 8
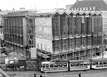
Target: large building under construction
69, 36
73, 35
93, 5
19, 31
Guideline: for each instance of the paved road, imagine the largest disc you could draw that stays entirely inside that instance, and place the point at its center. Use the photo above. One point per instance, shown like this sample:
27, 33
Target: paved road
98, 73
23, 74
93, 73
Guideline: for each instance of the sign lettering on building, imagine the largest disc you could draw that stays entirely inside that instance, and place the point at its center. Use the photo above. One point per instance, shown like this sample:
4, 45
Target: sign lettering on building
84, 9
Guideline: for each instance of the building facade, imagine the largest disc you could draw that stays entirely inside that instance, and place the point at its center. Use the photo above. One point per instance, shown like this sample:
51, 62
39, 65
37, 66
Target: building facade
2, 13
19, 31
74, 35
93, 5
69, 36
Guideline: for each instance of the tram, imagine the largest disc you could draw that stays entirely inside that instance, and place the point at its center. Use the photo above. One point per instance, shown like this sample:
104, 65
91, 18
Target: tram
79, 65
46, 66
100, 63
74, 65
56, 66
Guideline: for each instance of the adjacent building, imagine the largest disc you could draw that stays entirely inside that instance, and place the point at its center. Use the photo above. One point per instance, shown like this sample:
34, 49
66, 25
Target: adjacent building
93, 5
2, 13
19, 31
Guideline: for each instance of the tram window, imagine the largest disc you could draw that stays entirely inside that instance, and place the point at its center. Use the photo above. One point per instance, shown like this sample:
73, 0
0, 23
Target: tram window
74, 64
60, 65
47, 65
94, 63
86, 64
65, 64
104, 62
43, 66
77, 64
56, 65
97, 63
71, 65
81, 64
51, 65
100, 63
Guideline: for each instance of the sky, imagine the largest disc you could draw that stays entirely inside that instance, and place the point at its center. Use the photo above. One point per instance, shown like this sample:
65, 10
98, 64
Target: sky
34, 4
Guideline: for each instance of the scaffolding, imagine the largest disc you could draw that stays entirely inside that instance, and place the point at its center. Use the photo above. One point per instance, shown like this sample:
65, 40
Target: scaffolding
80, 34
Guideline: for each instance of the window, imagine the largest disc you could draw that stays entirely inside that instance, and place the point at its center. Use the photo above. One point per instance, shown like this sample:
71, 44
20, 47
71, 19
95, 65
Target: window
30, 20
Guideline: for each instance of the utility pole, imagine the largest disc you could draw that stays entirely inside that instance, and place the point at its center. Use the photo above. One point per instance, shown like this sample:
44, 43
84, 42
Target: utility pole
102, 39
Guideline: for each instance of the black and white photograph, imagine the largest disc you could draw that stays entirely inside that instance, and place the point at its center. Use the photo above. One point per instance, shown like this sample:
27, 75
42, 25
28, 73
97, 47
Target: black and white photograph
53, 38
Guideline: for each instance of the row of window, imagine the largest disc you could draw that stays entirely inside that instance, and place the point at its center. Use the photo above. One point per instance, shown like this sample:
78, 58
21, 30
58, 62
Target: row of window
79, 55
66, 44
13, 21
13, 29
63, 25
13, 38
30, 32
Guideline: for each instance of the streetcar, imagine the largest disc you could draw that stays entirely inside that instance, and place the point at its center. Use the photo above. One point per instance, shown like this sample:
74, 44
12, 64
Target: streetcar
56, 66
46, 66
74, 65
70, 65
100, 63
79, 65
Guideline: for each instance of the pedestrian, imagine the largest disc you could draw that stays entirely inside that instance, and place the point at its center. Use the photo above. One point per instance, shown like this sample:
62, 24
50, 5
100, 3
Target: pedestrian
40, 75
79, 75
34, 74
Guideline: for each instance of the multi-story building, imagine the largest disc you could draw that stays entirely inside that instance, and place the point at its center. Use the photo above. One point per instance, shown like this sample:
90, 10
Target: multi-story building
1, 29
19, 31
66, 35
69, 36
2, 13
96, 5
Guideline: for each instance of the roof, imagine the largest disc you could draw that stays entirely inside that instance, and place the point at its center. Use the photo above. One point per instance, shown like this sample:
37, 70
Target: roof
20, 13
78, 61
43, 14
98, 4
47, 62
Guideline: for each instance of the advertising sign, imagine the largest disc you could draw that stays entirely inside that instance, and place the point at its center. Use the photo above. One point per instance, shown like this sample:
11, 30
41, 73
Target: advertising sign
33, 53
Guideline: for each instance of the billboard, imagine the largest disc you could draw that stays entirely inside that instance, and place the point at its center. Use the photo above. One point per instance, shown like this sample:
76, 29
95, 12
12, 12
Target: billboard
33, 53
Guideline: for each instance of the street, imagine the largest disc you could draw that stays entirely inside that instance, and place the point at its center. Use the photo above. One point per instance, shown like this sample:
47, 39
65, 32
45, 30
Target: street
92, 73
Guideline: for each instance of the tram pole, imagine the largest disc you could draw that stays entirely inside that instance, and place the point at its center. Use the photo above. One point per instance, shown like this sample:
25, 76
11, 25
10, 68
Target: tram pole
102, 34
92, 35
